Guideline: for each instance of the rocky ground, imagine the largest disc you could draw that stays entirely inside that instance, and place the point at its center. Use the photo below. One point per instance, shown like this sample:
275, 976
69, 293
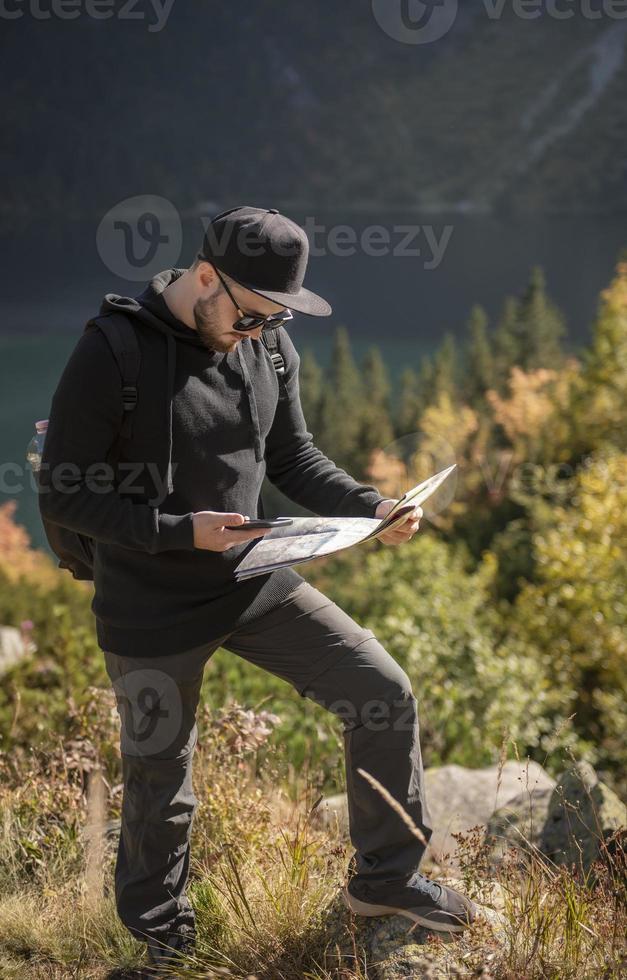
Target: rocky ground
571, 821
517, 805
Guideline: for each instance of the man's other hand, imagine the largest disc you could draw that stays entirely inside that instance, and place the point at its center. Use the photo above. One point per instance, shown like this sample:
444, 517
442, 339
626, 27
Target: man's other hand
406, 530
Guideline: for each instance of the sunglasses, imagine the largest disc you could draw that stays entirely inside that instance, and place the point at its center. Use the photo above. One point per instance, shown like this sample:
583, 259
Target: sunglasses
250, 321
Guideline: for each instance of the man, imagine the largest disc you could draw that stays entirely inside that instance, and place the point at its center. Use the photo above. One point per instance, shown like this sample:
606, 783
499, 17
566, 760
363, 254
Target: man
216, 416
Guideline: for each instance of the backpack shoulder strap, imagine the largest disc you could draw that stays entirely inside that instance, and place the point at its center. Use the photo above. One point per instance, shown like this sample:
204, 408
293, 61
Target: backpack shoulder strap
270, 340
122, 338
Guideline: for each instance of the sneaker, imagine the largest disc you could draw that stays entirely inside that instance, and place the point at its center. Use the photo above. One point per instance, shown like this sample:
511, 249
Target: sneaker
165, 954
426, 902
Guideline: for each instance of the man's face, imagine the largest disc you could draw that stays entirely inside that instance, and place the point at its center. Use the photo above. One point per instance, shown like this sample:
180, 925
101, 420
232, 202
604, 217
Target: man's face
215, 313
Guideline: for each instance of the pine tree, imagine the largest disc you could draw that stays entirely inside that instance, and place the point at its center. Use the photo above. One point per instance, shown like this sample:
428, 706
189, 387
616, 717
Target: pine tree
310, 384
377, 431
444, 378
342, 407
426, 383
540, 327
507, 351
600, 404
530, 332
480, 376
410, 406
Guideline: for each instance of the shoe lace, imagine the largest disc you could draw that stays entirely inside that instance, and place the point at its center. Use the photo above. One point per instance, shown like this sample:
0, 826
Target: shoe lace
424, 885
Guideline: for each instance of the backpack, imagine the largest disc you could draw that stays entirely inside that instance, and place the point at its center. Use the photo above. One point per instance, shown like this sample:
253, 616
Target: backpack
74, 550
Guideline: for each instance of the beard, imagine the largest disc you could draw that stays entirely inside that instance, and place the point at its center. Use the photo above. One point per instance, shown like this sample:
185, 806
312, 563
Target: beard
208, 326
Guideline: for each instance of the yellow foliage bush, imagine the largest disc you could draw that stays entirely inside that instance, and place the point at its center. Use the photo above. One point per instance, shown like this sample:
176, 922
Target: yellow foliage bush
18, 559
535, 415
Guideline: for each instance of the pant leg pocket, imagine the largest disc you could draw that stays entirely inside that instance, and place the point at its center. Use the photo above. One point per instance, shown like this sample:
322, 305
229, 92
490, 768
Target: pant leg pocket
177, 868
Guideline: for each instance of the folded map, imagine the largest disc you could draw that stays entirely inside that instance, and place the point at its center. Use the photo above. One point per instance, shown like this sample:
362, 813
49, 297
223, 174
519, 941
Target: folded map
307, 538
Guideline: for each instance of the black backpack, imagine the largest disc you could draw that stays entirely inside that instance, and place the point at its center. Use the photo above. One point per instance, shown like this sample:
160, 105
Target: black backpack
74, 550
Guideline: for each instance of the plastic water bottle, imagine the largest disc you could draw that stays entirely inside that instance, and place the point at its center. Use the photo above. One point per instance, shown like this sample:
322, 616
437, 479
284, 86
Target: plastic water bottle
36, 445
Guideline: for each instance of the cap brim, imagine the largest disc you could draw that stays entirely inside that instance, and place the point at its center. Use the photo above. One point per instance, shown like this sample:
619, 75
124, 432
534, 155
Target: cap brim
304, 301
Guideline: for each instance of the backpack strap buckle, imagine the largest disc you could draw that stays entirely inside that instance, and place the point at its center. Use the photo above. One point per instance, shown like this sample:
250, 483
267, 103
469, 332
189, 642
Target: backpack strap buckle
279, 363
129, 397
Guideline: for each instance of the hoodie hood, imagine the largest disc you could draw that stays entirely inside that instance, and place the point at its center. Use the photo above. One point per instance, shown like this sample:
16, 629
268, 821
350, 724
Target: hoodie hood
150, 307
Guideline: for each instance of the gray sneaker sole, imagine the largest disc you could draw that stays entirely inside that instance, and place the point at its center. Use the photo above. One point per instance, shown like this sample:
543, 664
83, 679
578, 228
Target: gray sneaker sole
366, 908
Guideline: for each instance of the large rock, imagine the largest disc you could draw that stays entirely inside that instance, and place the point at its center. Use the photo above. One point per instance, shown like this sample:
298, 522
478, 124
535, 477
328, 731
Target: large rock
583, 813
518, 824
398, 949
398, 952
459, 799
15, 646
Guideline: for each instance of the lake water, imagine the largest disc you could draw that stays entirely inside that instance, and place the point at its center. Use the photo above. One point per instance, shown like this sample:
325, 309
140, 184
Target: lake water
401, 301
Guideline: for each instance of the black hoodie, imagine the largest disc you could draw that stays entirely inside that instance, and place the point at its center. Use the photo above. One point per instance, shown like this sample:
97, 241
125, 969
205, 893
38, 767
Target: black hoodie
207, 427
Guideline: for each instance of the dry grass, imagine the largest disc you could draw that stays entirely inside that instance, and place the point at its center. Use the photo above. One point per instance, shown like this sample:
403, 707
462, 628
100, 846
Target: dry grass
265, 881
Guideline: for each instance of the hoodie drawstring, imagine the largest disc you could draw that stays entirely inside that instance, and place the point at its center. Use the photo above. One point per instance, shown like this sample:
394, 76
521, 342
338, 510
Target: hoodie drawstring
171, 345
252, 403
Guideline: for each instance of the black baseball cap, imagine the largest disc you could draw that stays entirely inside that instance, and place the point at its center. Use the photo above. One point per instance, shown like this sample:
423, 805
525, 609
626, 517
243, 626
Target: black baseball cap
265, 252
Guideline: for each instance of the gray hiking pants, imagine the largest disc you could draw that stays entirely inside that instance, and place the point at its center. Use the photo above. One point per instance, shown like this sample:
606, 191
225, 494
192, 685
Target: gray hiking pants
326, 656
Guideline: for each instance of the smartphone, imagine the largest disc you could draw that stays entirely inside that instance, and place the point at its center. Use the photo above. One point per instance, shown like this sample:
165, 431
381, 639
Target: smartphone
261, 523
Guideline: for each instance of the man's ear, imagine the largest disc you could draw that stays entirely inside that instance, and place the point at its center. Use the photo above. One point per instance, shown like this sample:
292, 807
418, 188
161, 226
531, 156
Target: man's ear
206, 273
208, 277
